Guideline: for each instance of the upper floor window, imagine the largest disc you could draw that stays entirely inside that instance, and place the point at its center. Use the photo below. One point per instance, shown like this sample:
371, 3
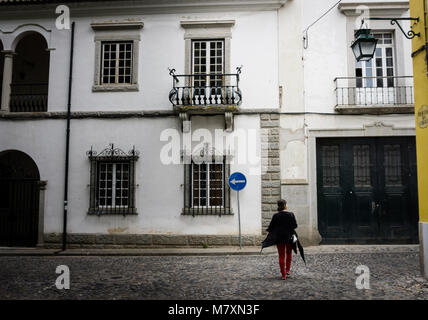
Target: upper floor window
116, 62
116, 55
30, 74
379, 71
208, 65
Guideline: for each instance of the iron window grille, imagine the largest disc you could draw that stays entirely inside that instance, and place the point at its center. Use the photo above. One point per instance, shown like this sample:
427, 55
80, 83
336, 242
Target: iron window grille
207, 185
112, 181
116, 62
206, 191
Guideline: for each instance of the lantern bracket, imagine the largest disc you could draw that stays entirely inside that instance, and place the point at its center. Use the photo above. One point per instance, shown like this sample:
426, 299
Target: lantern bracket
409, 34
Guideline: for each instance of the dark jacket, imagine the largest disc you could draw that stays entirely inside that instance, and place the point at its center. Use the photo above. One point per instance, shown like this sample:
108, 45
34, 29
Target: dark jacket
280, 229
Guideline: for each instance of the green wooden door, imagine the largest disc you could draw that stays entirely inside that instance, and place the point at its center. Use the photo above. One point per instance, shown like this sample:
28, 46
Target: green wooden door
367, 190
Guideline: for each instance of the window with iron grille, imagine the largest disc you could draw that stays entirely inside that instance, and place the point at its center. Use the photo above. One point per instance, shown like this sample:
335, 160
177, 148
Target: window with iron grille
112, 182
207, 185
116, 63
206, 189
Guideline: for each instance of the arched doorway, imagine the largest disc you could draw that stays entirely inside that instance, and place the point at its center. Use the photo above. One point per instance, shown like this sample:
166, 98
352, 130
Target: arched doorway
30, 75
19, 199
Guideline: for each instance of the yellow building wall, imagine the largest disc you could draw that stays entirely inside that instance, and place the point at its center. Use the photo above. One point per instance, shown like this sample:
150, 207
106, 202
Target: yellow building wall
420, 74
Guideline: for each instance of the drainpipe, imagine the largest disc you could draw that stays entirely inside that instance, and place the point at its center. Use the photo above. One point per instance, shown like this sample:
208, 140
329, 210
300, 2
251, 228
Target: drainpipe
426, 33
67, 142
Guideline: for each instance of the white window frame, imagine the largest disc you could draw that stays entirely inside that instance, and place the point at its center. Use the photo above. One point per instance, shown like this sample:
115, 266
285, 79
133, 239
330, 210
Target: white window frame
117, 67
372, 82
210, 76
207, 30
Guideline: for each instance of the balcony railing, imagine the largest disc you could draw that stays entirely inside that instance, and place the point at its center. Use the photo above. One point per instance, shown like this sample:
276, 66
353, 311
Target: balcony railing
29, 97
205, 89
374, 91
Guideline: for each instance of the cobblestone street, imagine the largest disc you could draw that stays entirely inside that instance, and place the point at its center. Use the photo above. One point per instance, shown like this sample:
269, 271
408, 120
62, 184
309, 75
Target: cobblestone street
394, 274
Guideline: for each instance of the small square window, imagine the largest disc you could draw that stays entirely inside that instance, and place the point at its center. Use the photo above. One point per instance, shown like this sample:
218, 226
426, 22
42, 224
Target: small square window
116, 57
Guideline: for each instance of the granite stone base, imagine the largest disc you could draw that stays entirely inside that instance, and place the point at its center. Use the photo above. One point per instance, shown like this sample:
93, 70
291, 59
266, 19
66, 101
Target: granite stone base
116, 241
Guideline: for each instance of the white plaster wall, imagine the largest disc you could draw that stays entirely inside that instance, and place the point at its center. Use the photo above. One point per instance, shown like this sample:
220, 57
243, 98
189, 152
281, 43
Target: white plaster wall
44, 142
253, 45
326, 55
307, 75
290, 52
159, 195
329, 55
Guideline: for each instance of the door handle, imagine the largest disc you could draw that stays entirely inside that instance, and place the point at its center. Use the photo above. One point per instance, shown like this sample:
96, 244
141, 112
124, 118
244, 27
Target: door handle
375, 206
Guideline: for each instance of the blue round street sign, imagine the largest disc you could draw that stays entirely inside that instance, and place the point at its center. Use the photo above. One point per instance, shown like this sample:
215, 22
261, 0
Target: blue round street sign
237, 181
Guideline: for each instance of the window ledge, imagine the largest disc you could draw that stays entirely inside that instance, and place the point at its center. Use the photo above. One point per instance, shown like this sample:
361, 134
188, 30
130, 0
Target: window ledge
207, 211
115, 88
117, 25
112, 211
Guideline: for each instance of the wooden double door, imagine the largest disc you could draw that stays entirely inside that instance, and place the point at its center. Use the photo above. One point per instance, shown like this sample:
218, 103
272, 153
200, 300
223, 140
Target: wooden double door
367, 190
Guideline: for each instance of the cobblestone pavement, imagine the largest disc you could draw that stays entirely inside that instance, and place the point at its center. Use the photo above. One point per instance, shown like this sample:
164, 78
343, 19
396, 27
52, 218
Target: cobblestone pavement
328, 275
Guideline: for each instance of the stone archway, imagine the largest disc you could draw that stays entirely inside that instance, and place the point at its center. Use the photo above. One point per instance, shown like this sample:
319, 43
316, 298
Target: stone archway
20, 189
30, 75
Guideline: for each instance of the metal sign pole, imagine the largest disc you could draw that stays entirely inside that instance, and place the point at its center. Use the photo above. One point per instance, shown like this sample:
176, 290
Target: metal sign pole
239, 221
237, 182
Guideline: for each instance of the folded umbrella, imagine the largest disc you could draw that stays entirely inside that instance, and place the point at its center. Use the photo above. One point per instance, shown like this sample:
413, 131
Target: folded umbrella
269, 241
302, 253
296, 245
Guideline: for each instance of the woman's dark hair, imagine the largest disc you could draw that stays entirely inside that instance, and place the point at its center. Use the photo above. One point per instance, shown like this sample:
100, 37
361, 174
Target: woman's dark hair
282, 204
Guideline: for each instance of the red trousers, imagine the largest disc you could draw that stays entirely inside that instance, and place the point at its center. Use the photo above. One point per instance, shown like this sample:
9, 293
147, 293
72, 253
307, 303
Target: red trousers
284, 265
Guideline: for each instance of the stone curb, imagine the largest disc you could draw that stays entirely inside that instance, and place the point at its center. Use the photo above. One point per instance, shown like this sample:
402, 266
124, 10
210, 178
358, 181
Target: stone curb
213, 251
138, 252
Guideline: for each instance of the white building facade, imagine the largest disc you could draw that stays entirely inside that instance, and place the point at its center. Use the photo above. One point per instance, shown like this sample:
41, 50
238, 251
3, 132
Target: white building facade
348, 163
169, 98
132, 177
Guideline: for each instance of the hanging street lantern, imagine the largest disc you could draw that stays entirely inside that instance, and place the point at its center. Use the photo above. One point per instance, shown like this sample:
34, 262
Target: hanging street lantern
364, 45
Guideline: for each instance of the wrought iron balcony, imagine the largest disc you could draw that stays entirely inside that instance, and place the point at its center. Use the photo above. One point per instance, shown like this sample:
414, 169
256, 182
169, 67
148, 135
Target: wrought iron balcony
205, 89
28, 97
374, 91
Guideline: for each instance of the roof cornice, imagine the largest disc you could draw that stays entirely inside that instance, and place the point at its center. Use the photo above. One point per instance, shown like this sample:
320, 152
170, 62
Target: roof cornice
13, 8
376, 8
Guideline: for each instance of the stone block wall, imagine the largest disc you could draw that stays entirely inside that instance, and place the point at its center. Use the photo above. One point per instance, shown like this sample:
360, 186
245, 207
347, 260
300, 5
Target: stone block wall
271, 169
116, 241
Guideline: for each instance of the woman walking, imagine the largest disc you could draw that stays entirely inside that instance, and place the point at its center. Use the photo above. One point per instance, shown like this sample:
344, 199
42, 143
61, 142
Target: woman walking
281, 231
